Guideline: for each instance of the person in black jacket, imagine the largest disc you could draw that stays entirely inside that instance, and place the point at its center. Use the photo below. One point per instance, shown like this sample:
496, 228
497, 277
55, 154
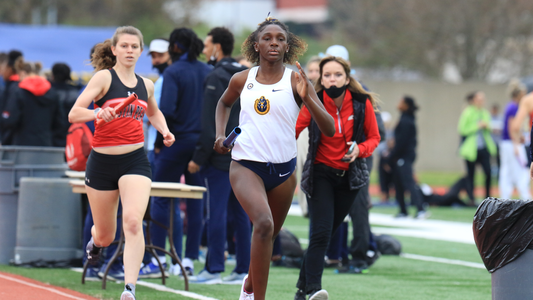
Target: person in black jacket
218, 46
67, 94
35, 114
403, 155
11, 79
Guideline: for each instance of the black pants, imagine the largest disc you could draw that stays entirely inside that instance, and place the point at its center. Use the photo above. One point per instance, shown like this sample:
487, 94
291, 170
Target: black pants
386, 178
328, 206
360, 223
404, 180
483, 158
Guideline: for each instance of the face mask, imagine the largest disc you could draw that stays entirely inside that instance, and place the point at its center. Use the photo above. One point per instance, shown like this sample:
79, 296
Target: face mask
161, 67
213, 59
334, 91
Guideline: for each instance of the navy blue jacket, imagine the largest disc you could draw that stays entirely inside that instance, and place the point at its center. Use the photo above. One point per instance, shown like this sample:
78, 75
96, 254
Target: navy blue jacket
215, 84
182, 98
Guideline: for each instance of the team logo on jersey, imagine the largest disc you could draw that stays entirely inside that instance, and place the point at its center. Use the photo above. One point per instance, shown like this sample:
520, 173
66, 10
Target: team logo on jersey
250, 86
262, 105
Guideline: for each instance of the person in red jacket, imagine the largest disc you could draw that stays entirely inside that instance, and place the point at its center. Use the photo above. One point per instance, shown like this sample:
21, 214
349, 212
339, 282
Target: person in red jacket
334, 171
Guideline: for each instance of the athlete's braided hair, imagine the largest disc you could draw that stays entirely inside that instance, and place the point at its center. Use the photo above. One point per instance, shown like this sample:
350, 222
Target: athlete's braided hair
187, 41
297, 46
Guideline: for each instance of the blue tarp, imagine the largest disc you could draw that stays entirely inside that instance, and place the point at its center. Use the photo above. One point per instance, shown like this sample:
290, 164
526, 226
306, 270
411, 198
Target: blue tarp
58, 43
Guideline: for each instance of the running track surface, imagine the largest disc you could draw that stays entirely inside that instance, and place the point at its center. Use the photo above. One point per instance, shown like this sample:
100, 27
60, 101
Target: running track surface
22, 288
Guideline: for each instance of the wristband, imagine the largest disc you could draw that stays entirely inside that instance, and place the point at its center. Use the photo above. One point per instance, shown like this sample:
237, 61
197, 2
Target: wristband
96, 111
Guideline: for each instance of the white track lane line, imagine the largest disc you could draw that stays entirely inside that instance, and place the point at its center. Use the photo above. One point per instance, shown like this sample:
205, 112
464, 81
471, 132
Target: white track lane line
41, 287
443, 260
163, 288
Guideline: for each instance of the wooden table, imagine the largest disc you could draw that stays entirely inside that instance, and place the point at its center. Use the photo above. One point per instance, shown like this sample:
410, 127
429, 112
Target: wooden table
159, 189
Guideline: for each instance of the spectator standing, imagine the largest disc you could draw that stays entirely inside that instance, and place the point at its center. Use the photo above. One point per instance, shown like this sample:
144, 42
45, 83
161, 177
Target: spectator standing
67, 93
402, 157
3, 63
477, 146
181, 103
513, 158
35, 116
332, 177
11, 79
158, 52
218, 46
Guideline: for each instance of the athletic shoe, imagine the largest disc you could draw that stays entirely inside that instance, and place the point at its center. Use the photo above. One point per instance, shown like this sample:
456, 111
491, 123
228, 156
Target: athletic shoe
231, 260
152, 271
423, 214
300, 295
234, 278
116, 272
93, 252
176, 270
319, 295
244, 294
401, 216
92, 274
351, 270
128, 294
204, 277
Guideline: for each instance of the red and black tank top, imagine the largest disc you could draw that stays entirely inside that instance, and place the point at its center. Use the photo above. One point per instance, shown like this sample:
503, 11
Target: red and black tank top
126, 128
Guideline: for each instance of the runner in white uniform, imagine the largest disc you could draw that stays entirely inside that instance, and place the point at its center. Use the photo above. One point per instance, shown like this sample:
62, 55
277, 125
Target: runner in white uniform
262, 172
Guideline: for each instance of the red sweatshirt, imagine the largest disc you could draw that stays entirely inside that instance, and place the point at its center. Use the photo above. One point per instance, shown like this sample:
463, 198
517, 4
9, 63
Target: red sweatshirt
332, 149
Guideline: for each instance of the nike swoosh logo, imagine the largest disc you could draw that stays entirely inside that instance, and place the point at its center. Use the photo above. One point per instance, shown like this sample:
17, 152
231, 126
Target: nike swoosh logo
273, 90
283, 175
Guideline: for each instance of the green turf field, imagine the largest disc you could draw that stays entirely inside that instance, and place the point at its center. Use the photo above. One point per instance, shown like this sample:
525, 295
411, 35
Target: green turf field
391, 277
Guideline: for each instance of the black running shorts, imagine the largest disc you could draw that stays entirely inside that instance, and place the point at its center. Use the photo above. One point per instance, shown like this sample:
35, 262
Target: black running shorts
103, 170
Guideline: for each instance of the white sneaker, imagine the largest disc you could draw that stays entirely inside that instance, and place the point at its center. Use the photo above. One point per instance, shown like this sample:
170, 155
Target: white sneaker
245, 295
204, 277
319, 295
234, 278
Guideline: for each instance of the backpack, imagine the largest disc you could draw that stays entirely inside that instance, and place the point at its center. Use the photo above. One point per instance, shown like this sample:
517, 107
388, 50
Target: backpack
78, 148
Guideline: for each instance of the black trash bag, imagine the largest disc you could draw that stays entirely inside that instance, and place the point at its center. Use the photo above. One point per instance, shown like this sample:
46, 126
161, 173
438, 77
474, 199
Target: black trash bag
290, 245
388, 245
503, 230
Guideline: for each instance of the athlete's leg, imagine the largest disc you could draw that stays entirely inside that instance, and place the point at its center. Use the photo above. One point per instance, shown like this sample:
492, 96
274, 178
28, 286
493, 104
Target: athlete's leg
135, 193
104, 205
250, 191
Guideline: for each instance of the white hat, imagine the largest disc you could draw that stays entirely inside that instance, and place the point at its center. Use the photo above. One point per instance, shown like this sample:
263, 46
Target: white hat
339, 51
159, 46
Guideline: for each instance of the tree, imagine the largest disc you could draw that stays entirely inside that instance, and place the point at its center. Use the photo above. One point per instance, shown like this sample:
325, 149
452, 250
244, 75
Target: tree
478, 36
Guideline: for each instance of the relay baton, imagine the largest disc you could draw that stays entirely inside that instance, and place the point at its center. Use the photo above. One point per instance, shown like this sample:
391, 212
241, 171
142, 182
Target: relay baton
230, 140
120, 107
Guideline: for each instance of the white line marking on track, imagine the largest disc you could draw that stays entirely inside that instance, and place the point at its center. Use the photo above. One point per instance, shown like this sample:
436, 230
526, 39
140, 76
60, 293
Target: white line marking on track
443, 260
163, 288
41, 287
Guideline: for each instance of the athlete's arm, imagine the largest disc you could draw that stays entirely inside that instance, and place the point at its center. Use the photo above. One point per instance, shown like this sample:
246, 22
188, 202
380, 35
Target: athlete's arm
96, 89
305, 91
224, 105
156, 117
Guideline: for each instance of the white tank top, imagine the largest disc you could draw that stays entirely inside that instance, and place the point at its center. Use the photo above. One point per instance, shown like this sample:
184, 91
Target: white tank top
268, 121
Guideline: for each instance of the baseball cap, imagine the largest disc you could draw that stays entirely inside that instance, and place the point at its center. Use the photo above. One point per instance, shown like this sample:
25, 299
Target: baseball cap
339, 51
159, 46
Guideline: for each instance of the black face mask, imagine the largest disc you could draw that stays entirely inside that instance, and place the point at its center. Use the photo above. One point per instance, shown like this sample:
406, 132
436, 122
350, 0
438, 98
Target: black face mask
212, 62
334, 91
160, 67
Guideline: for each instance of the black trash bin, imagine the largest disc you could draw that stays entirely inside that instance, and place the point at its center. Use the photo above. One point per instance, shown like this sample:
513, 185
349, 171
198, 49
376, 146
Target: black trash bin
503, 232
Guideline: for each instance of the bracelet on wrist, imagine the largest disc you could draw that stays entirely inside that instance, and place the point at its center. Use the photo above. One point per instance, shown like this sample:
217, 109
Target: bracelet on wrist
96, 112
